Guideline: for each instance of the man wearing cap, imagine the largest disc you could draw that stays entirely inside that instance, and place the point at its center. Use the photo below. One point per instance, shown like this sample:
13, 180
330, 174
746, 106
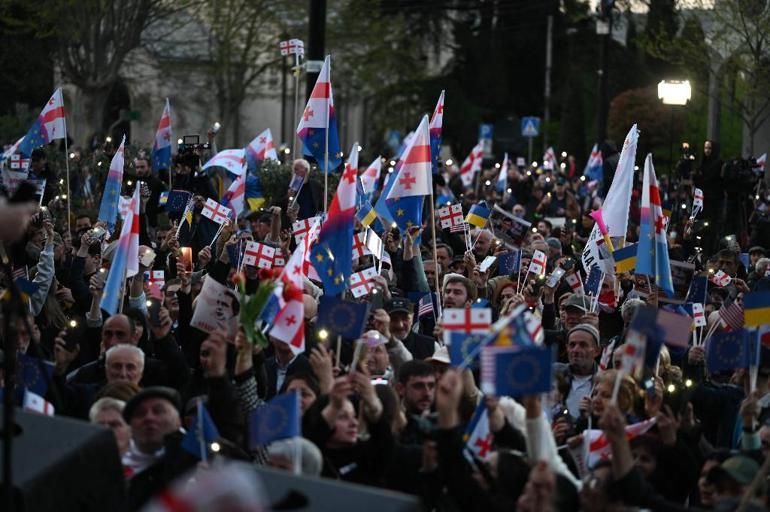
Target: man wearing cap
396, 326
383, 361
574, 310
755, 253
154, 457
582, 350
731, 480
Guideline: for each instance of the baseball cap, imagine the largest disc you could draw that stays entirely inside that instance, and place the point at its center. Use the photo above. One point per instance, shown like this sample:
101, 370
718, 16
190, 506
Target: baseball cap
757, 248
398, 304
740, 468
581, 302
374, 338
554, 243
163, 392
440, 356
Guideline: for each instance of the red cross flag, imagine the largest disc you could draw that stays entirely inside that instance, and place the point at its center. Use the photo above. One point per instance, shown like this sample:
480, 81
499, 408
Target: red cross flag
18, 162
234, 160
719, 278
258, 255
279, 260
575, 282
537, 265
302, 227
359, 245
361, 283
451, 216
698, 314
292, 46
289, 325
468, 320
215, 211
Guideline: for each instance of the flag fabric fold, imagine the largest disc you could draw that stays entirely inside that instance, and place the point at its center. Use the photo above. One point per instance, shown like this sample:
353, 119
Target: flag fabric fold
319, 121
125, 260
50, 125
161, 148
108, 209
260, 149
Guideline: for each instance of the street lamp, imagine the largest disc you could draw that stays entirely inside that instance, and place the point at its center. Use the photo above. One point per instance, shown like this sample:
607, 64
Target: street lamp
673, 93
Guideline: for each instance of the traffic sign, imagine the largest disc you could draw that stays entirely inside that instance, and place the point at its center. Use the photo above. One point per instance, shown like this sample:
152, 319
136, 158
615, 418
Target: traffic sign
530, 126
485, 136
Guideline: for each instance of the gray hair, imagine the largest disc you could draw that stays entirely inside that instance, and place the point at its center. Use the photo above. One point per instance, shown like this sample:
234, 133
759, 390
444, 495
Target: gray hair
105, 404
125, 346
761, 266
304, 163
312, 460
629, 308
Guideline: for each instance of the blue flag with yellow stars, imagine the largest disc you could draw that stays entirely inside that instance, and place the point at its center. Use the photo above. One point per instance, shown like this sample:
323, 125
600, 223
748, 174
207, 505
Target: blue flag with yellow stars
727, 351
406, 211
516, 371
278, 419
201, 434
342, 317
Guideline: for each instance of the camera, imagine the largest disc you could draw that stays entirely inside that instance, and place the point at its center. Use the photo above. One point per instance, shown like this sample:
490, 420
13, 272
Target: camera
191, 144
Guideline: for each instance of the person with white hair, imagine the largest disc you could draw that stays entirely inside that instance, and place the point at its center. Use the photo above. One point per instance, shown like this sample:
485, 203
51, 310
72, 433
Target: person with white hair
108, 412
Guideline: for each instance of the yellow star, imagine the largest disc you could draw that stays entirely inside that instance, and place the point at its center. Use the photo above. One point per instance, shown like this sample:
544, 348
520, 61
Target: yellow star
330, 272
409, 224
337, 280
399, 212
319, 257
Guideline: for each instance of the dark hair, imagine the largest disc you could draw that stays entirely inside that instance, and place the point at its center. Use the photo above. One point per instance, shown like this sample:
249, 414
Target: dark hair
727, 254
470, 289
305, 376
448, 249
414, 368
38, 154
236, 306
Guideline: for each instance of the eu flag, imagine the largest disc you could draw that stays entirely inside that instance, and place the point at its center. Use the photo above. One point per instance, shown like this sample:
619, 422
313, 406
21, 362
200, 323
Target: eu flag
508, 263
697, 291
342, 317
593, 284
29, 373
278, 419
177, 201
203, 431
517, 371
464, 349
728, 351
406, 211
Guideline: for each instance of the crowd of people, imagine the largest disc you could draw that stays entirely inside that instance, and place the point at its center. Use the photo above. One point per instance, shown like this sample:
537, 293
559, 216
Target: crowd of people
397, 416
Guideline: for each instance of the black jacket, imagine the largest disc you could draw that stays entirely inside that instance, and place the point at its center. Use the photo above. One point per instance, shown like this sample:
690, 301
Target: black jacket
300, 364
420, 346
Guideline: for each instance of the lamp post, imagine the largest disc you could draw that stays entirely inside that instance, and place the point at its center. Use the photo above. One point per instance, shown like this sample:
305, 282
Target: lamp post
673, 93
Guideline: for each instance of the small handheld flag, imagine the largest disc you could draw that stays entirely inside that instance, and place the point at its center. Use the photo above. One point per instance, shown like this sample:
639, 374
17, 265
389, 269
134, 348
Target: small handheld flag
450, 215
161, 148
278, 419
478, 215
756, 308
201, 434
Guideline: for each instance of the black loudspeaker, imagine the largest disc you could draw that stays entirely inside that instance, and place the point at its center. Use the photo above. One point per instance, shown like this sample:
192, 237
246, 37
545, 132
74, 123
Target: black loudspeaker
299, 493
61, 464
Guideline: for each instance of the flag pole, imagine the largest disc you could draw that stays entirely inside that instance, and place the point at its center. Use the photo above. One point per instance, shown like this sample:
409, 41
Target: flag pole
326, 165
296, 102
435, 259
67, 167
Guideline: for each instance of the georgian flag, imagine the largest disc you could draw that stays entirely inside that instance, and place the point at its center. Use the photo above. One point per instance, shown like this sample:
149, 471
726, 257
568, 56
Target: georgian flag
472, 164
234, 160
697, 203
537, 264
289, 325
468, 320
161, 148
215, 211
258, 255
371, 176
261, 149
719, 278
698, 315
234, 198
478, 436
450, 216
575, 282
36, 403
302, 227
549, 159
359, 245
361, 283
415, 178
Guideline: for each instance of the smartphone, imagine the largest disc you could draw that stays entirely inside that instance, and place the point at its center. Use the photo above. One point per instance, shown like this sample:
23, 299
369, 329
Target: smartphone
555, 277
377, 299
568, 264
148, 258
186, 258
75, 331
153, 311
101, 275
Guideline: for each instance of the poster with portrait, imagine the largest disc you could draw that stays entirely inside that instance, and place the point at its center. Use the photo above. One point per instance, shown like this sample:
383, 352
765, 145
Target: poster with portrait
216, 307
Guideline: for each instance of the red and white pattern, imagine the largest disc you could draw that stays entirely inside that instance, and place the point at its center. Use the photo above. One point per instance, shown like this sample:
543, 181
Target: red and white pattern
163, 134
459, 228
302, 227
258, 255
549, 159
234, 160
698, 315
263, 147
18, 162
415, 177
52, 117
289, 325
732, 315
451, 216
235, 195
320, 104
216, 212
472, 164
534, 327
575, 282
359, 245
599, 447
469, 320
362, 283
371, 176
36, 403
719, 278
537, 265
279, 259
632, 354
292, 46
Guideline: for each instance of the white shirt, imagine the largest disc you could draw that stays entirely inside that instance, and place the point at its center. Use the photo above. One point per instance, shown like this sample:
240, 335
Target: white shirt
581, 387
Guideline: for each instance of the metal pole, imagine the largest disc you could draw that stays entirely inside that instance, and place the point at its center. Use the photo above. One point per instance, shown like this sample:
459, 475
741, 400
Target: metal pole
602, 96
295, 113
67, 167
435, 260
530, 151
316, 39
547, 90
284, 86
